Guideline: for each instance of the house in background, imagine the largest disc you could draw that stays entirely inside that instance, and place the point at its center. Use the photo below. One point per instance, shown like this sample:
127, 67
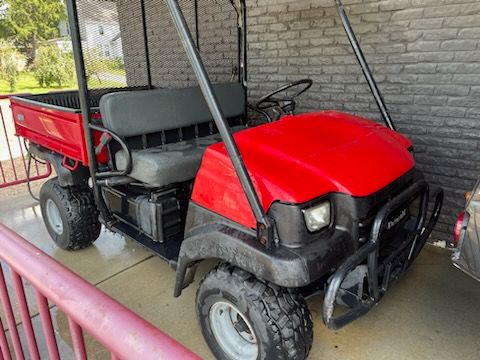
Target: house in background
99, 28
104, 38
63, 41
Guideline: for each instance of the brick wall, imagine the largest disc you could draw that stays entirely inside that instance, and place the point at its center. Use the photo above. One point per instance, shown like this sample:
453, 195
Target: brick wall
425, 54
169, 64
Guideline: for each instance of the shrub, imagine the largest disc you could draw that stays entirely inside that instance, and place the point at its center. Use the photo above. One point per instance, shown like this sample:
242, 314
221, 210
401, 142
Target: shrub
11, 63
94, 64
53, 66
119, 63
98, 67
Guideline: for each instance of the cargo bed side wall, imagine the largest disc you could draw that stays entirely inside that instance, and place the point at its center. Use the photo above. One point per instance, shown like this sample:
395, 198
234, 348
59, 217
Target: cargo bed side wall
58, 131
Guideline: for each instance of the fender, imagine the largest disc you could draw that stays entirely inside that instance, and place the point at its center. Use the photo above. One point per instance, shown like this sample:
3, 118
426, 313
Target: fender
211, 236
242, 249
66, 177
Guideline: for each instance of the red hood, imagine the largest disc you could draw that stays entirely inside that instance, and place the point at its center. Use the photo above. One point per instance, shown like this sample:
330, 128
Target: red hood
303, 157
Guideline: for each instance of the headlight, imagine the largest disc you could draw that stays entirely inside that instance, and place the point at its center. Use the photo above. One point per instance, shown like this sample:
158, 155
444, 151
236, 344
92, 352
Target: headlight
317, 217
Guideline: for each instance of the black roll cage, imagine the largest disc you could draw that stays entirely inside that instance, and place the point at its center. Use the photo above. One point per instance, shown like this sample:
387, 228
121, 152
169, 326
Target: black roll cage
264, 224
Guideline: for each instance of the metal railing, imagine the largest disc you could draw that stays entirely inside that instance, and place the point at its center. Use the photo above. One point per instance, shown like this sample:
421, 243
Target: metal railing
14, 163
119, 330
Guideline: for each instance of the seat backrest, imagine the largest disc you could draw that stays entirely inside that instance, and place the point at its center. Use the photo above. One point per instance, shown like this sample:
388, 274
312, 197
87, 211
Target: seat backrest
132, 113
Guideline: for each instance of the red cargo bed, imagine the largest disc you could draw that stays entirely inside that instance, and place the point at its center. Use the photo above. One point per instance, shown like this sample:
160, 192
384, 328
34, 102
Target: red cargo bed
54, 121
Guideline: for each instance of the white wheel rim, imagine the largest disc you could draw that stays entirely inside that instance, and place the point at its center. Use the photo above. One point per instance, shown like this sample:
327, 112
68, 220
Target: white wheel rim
53, 217
233, 331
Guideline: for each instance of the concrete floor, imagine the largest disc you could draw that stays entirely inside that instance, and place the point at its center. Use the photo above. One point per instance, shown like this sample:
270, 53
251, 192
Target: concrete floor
432, 313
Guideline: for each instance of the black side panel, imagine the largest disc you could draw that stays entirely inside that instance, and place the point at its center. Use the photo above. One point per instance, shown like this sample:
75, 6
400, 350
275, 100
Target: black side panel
66, 177
153, 217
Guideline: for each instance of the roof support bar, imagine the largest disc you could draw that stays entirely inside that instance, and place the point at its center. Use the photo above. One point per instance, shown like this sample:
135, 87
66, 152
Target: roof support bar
243, 42
85, 104
264, 226
146, 42
363, 63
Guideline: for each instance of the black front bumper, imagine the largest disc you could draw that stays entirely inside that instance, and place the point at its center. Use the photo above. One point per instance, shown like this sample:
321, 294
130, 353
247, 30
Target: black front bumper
380, 275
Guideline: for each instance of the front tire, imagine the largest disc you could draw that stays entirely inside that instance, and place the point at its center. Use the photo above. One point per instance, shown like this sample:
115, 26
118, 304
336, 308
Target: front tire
244, 318
70, 215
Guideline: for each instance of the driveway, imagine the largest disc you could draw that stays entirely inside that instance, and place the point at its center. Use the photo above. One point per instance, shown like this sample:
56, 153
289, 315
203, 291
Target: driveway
115, 78
432, 313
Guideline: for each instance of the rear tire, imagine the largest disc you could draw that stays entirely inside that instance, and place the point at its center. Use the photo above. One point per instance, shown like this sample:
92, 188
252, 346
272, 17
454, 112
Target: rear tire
70, 215
245, 318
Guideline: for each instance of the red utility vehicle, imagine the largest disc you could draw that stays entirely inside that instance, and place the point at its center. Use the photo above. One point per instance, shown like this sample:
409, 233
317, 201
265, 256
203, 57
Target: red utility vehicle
297, 205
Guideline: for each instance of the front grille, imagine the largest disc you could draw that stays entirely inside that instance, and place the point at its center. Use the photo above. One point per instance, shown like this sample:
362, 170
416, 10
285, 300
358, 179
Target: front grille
381, 198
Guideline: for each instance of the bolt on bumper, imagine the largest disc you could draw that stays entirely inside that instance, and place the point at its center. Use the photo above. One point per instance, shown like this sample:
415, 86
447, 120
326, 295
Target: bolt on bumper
414, 241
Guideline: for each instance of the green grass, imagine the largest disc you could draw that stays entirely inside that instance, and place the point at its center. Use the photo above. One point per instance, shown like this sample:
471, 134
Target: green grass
116, 71
28, 84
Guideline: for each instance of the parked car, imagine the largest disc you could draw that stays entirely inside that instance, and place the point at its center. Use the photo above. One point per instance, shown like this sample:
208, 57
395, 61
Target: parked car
466, 255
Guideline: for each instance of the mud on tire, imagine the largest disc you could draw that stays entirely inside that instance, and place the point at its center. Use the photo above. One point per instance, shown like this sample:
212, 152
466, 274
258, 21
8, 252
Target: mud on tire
279, 317
70, 215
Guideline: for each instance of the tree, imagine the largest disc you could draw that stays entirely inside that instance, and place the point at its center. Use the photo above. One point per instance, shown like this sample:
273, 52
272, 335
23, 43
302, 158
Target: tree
11, 62
94, 64
33, 21
53, 66
4, 33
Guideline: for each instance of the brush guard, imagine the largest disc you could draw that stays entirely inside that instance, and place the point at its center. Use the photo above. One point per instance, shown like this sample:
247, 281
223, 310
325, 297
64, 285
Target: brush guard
388, 269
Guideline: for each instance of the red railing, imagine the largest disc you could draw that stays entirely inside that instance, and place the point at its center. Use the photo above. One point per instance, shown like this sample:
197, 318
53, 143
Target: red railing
120, 331
14, 166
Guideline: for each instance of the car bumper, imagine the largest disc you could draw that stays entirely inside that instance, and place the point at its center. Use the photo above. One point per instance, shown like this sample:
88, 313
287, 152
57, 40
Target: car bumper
379, 270
466, 256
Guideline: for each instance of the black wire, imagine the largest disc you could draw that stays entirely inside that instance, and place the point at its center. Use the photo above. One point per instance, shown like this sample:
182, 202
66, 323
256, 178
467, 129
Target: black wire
29, 167
30, 157
33, 156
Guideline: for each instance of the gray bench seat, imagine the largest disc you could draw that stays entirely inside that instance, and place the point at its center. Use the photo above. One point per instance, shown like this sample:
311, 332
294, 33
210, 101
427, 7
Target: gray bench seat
167, 164
144, 112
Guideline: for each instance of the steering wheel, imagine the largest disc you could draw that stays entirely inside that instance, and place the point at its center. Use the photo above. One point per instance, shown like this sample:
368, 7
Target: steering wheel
282, 105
